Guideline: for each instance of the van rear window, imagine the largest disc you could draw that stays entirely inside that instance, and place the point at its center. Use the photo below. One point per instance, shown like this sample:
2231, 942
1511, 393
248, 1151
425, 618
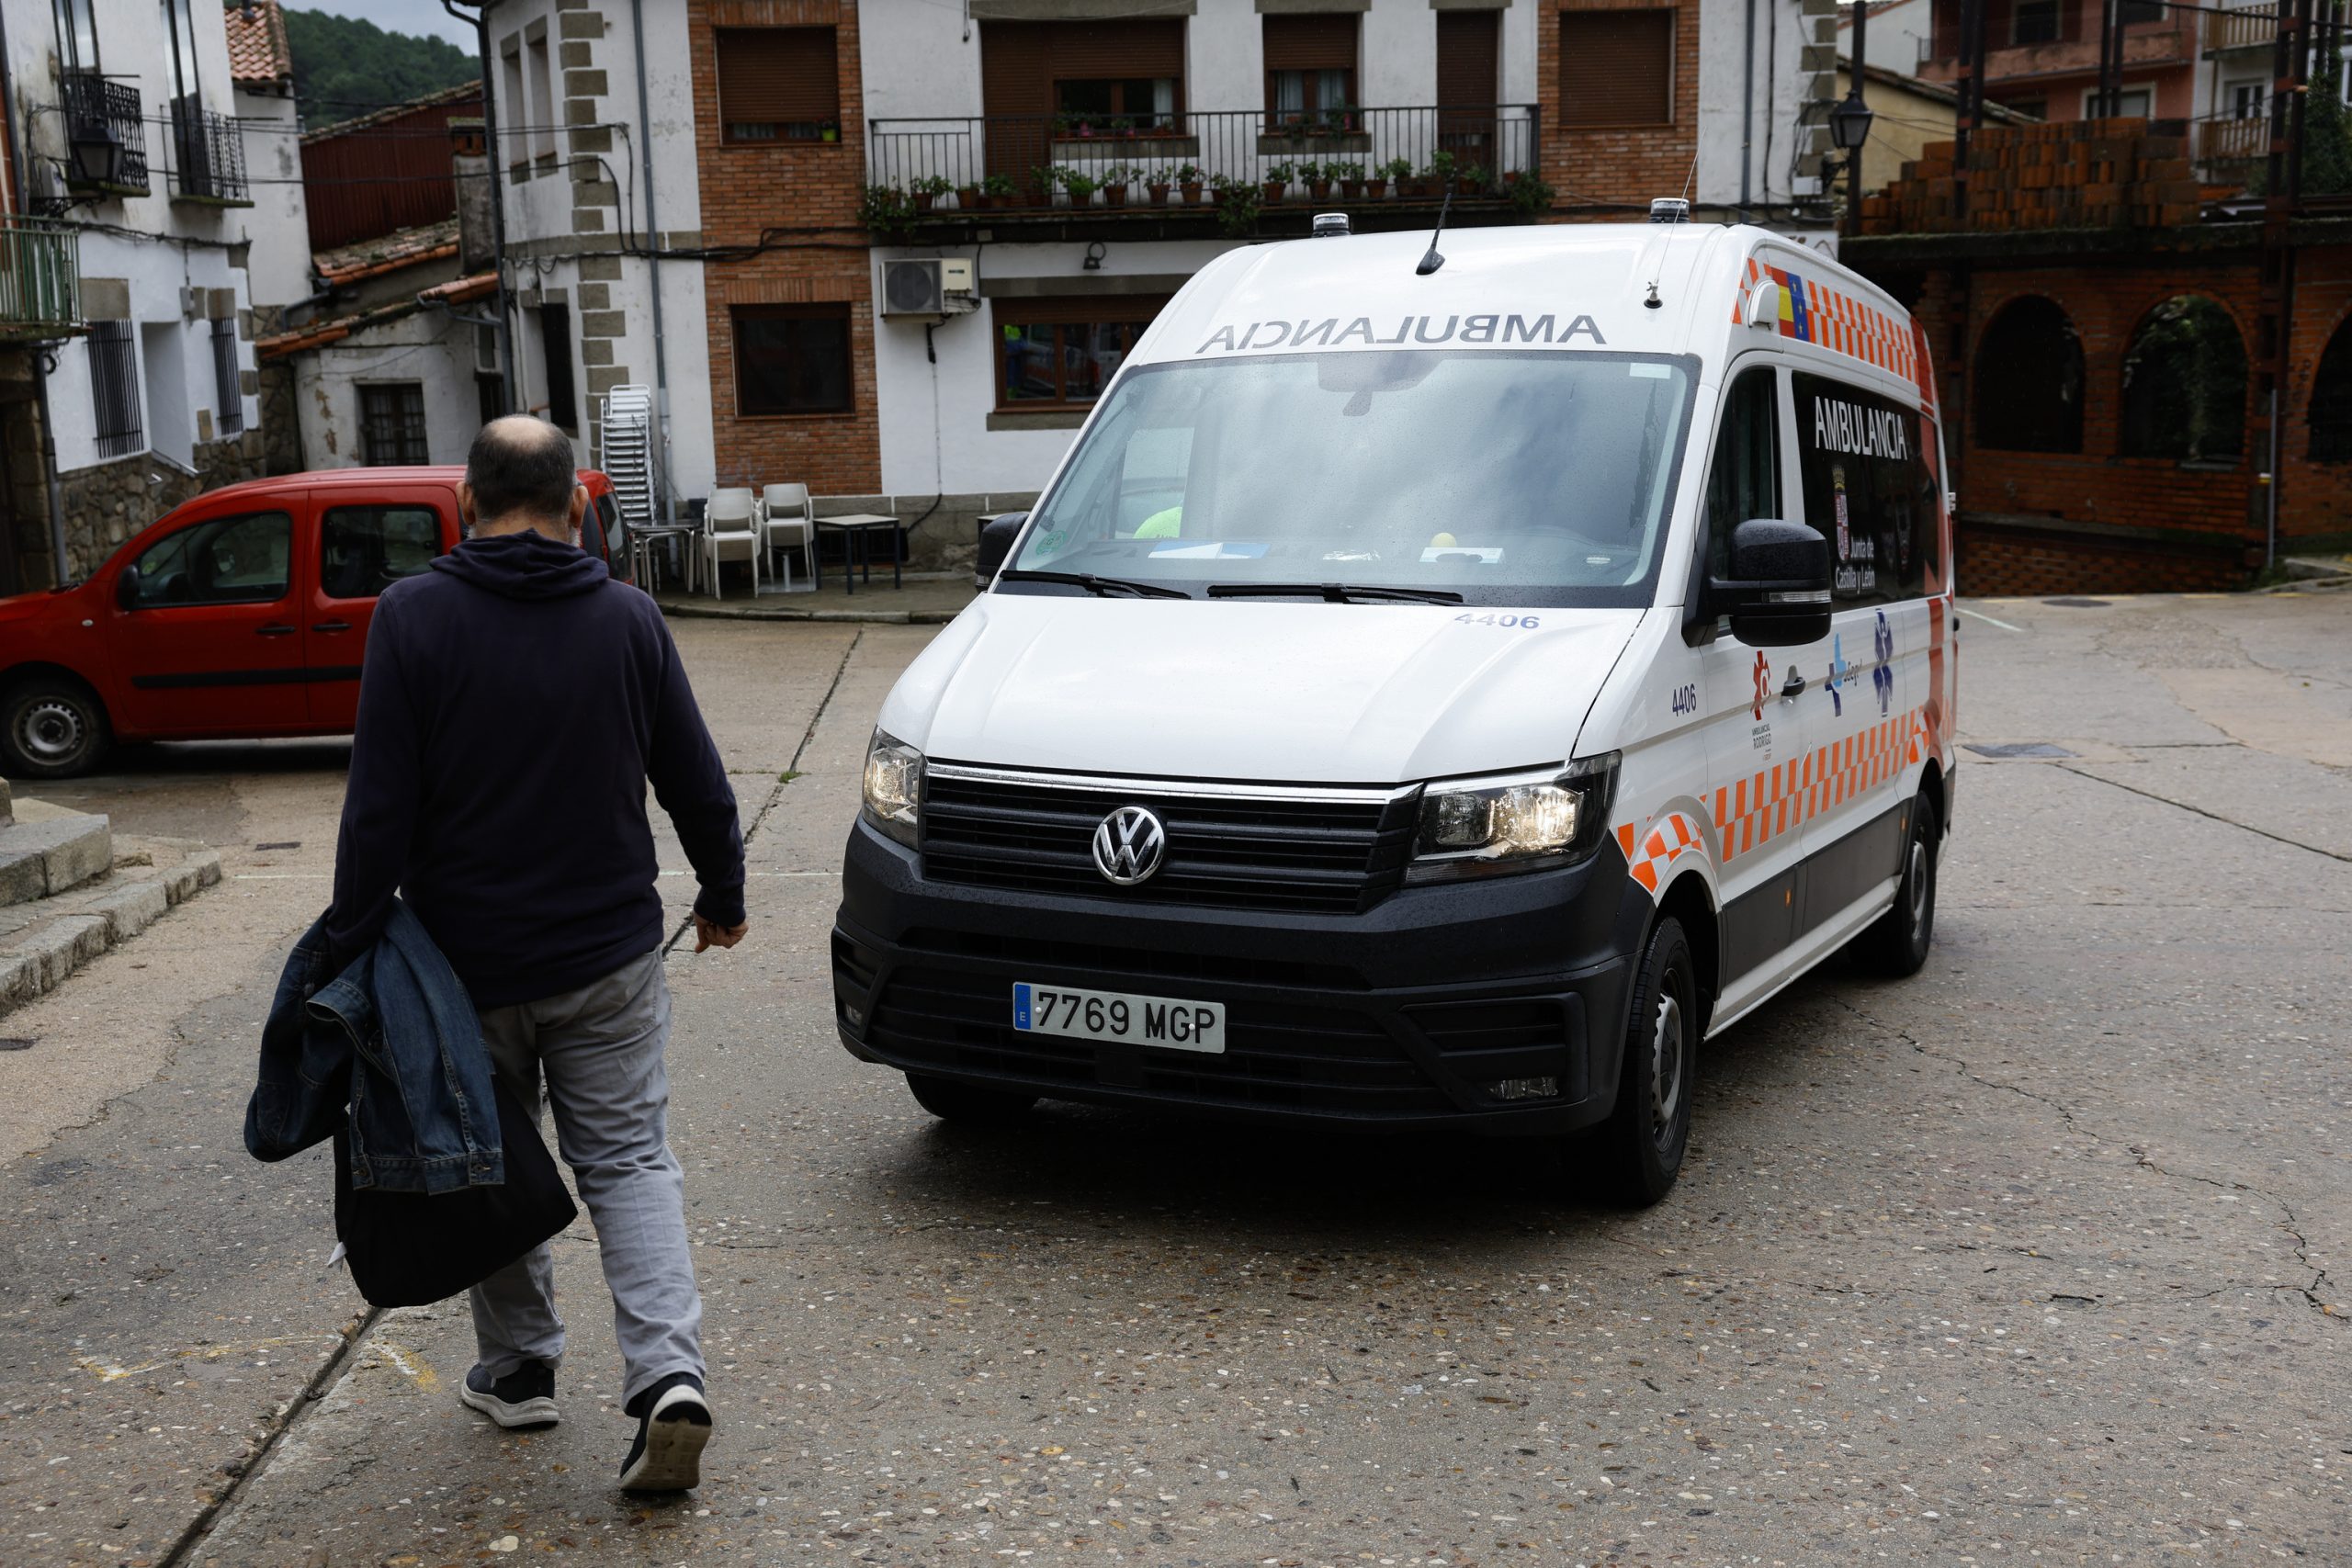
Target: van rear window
1535, 479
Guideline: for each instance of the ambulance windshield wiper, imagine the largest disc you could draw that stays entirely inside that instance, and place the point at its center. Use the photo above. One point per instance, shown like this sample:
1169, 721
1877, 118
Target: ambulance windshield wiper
1336, 592
1098, 586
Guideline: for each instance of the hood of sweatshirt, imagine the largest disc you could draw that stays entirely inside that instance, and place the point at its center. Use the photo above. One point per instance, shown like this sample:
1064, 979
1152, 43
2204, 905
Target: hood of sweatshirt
528, 565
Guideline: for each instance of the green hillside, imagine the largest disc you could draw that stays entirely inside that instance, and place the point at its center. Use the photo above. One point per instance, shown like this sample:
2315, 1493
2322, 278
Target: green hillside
345, 67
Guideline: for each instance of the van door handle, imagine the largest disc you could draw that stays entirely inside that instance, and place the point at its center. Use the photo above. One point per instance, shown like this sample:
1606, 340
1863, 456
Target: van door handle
331, 625
1793, 685
274, 629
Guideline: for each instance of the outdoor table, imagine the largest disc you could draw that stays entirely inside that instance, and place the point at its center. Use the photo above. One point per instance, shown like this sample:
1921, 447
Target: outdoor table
647, 537
857, 526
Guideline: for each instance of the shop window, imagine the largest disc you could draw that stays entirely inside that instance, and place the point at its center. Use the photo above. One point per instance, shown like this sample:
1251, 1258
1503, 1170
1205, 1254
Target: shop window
777, 85
791, 359
1062, 353
2183, 384
2028, 379
391, 423
1310, 67
2330, 407
1616, 68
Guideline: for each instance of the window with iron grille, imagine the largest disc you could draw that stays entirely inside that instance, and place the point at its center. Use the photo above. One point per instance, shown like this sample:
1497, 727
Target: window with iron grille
391, 423
229, 394
1617, 68
114, 388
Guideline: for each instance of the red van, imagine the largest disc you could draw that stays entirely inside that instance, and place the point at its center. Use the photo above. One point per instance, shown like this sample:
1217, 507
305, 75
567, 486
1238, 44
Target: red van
240, 613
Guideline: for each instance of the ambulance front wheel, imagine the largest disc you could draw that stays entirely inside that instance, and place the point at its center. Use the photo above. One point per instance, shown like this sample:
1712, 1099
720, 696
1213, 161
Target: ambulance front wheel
1896, 943
1638, 1153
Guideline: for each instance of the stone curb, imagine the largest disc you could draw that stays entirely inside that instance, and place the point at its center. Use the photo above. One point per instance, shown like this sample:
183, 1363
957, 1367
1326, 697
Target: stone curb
41, 960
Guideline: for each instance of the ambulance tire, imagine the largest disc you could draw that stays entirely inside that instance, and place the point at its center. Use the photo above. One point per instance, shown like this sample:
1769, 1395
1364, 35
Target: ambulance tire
1896, 943
968, 1105
1635, 1156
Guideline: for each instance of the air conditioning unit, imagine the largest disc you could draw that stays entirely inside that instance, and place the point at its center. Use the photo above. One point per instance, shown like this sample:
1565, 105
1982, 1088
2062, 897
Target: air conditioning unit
928, 286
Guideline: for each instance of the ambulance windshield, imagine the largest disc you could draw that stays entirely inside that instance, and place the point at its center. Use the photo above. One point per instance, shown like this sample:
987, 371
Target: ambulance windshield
1524, 478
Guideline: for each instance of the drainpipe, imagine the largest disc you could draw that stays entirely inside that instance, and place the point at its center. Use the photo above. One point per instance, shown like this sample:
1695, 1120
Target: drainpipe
497, 201
1748, 116
18, 196
652, 254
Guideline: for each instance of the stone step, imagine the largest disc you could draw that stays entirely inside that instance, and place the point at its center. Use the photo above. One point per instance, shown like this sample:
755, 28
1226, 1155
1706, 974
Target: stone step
43, 858
40, 946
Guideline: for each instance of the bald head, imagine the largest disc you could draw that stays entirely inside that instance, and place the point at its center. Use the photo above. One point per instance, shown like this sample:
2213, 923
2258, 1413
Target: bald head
518, 476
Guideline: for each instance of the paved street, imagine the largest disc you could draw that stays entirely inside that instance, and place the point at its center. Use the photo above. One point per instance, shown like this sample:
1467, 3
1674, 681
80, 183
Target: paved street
2045, 1255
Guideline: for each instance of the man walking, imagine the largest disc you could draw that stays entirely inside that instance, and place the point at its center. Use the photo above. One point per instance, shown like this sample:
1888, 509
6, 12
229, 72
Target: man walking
515, 703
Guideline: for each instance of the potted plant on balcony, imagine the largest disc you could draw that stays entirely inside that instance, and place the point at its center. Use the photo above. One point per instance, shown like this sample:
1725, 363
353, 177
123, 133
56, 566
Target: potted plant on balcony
1528, 193
1114, 184
1155, 185
886, 209
1078, 187
1277, 180
1436, 175
1318, 181
1237, 206
1471, 181
967, 195
1045, 185
929, 189
1349, 174
1396, 172
829, 130
1188, 184
997, 190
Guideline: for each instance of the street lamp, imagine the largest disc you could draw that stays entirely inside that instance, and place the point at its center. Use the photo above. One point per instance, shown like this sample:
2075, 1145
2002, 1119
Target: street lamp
97, 159
1849, 122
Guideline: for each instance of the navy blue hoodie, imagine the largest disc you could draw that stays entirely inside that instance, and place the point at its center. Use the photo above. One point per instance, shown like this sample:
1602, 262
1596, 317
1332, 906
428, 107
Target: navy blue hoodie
514, 703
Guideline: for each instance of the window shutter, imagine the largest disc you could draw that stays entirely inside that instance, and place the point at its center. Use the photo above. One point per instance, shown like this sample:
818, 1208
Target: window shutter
1467, 58
1318, 41
777, 75
1616, 68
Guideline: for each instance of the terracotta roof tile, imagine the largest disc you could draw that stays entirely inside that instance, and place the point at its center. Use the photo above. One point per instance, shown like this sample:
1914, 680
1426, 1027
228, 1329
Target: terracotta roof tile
388, 252
257, 46
318, 334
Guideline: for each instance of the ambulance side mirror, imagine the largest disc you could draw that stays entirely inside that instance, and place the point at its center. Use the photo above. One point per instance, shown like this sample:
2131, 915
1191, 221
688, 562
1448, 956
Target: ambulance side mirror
1778, 592
996, 543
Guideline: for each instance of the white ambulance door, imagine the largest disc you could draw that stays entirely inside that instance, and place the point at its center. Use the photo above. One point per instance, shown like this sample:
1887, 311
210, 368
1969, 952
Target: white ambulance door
1755, 736
1868, 489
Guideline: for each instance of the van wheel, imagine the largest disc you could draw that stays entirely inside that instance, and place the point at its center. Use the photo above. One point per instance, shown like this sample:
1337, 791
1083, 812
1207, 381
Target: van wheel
51, 727
1896, 943
1638, 1153
969, 1104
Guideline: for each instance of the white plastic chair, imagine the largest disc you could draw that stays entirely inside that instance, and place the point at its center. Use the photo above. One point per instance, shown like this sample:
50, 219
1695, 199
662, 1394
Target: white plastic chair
730, 531
789, 522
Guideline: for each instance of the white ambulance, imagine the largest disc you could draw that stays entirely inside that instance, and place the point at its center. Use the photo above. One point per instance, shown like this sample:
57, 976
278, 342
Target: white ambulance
1429, 696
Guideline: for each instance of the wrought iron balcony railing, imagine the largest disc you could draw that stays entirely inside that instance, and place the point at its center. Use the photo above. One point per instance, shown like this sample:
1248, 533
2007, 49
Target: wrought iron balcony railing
99, 112
207, 155
1151, 163
40, 278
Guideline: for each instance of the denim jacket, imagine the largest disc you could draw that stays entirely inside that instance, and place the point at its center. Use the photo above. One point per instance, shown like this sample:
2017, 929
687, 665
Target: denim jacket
395, 1039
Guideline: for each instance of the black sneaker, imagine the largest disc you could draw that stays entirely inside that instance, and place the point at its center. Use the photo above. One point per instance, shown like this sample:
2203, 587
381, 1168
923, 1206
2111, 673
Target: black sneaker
672, 1425
524, 1397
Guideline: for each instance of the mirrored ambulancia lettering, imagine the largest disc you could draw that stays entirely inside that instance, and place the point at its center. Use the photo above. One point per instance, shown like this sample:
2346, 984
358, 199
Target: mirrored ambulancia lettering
1250, 337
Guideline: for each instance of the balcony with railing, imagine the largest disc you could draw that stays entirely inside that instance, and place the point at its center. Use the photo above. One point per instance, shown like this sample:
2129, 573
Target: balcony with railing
2250, 28
41, 279
208, 156
106, 138
1235, 168
2230, 149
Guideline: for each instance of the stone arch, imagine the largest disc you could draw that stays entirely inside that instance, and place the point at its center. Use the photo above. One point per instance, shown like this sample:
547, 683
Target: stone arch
2026, 386
2185, 384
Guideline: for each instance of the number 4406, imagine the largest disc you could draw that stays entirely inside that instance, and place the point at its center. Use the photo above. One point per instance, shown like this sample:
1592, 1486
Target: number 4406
1524, 623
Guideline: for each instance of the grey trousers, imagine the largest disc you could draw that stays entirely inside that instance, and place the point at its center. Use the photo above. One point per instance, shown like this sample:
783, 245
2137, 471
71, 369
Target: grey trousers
599, 1051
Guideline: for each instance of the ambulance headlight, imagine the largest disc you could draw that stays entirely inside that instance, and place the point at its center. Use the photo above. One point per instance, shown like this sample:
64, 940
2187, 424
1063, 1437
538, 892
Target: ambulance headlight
893, 787
1512, 822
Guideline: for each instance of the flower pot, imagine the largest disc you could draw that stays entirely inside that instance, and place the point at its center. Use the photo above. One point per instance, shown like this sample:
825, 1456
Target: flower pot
1465, 187
1115, 196
968, 196
1375, 190
1159, 193
1320, 190
1272, 190
922, 201
1351, 190
1191, 191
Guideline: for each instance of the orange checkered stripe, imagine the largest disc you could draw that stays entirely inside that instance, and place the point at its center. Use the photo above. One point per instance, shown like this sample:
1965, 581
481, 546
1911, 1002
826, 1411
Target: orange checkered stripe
1813, 311
1754, 811
1669, 838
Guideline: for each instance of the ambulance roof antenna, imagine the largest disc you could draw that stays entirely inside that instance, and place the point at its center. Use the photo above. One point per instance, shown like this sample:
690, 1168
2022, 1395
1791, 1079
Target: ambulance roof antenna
1431, 262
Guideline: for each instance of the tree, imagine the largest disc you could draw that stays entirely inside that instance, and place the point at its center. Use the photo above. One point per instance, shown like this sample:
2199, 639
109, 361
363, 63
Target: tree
344, 66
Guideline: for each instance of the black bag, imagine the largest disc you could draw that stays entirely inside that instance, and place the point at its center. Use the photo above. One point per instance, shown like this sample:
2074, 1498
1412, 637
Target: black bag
412, 1249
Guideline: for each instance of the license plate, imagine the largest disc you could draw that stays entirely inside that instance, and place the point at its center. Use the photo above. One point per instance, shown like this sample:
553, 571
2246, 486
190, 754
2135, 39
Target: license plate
1116, 1016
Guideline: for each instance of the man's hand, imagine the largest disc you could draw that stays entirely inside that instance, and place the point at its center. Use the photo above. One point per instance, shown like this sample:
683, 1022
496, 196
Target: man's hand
710, 933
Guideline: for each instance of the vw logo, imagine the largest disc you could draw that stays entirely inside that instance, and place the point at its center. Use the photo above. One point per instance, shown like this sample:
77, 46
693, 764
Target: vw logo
1129, 845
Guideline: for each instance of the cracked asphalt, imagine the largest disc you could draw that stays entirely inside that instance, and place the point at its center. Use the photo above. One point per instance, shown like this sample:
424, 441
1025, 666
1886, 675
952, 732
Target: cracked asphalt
2038, 1257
